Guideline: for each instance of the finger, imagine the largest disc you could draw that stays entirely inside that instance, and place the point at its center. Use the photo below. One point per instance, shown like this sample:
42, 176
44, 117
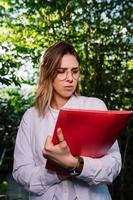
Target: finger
60, 135
47, 147
48, 140
48, 143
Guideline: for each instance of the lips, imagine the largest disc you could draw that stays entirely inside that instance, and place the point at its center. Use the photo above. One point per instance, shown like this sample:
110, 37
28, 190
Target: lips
69, 87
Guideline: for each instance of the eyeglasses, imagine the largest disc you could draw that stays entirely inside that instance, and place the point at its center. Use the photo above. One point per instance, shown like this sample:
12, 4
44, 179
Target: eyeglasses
63, 73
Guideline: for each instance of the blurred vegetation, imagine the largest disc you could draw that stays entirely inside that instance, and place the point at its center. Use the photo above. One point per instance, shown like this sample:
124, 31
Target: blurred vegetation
100, 30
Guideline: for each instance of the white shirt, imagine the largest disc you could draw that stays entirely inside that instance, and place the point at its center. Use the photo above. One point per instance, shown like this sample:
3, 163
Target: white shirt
29, 163
65, 190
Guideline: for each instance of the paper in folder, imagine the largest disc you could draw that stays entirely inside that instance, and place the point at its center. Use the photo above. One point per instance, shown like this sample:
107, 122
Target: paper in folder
89, 133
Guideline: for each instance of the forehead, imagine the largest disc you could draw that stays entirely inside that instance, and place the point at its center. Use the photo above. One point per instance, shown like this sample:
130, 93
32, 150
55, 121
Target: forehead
69, 61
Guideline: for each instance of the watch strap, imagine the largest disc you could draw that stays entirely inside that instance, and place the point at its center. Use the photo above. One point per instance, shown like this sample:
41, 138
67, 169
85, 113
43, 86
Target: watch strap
78, 168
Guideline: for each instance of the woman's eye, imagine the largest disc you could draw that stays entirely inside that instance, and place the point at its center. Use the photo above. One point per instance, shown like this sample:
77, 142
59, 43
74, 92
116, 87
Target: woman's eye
75, 71
60, 71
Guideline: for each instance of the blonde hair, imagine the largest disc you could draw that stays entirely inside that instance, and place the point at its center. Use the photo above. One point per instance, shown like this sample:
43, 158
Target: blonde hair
49, 63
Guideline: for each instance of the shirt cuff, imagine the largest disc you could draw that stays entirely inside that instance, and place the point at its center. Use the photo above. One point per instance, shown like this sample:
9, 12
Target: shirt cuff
91, 169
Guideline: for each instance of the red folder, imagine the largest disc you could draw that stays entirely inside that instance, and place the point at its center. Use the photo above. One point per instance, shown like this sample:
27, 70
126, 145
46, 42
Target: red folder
89, 132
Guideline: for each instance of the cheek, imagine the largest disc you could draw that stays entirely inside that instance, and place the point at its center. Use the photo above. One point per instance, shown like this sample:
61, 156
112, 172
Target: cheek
76, 83
56, 84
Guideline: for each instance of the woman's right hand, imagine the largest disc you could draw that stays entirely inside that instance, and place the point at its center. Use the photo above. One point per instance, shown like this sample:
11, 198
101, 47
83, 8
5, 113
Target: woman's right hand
60, 153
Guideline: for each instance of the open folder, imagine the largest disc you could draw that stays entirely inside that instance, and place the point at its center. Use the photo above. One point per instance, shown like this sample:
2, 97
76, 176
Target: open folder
89, 133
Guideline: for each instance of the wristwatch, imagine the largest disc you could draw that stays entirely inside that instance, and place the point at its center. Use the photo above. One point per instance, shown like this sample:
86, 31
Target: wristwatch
75, 171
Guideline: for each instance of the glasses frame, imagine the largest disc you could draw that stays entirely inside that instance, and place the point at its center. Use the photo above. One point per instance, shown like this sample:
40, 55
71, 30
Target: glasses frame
65, 74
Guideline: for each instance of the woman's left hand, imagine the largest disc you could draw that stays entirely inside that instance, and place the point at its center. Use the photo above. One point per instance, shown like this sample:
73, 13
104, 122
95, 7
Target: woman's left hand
60, 153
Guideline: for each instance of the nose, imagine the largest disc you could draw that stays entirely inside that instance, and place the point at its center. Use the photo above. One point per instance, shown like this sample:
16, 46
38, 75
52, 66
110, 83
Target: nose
69, 76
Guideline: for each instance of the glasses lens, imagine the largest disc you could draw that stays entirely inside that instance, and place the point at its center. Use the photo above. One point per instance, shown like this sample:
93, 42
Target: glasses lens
62, 75
76, 75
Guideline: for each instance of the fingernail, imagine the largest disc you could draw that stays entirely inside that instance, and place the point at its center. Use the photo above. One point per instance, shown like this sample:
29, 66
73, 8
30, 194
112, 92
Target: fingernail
59, 129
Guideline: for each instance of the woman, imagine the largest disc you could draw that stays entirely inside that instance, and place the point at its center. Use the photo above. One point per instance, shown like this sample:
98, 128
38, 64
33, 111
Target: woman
86, 177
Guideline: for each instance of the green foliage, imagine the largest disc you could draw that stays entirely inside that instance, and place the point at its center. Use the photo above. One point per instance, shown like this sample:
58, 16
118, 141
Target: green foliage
3, 187
12, 106
101, 32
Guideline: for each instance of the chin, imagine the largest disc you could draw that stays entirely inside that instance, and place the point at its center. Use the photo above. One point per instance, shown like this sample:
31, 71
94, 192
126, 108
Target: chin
68, 94
65, 94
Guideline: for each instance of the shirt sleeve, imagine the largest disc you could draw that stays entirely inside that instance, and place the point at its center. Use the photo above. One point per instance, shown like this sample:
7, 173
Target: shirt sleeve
102, 170
35, 179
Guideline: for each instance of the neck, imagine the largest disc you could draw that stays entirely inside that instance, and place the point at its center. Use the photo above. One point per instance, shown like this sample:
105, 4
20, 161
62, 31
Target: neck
59, 102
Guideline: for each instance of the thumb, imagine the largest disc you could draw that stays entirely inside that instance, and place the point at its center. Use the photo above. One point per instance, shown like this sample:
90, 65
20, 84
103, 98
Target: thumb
60, 135
47, 146
48, 141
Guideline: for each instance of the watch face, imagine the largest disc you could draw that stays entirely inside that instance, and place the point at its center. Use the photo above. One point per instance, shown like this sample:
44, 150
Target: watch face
74, 173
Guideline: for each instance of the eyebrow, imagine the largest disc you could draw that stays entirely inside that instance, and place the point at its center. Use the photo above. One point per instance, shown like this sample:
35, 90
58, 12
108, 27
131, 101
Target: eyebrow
67, 68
